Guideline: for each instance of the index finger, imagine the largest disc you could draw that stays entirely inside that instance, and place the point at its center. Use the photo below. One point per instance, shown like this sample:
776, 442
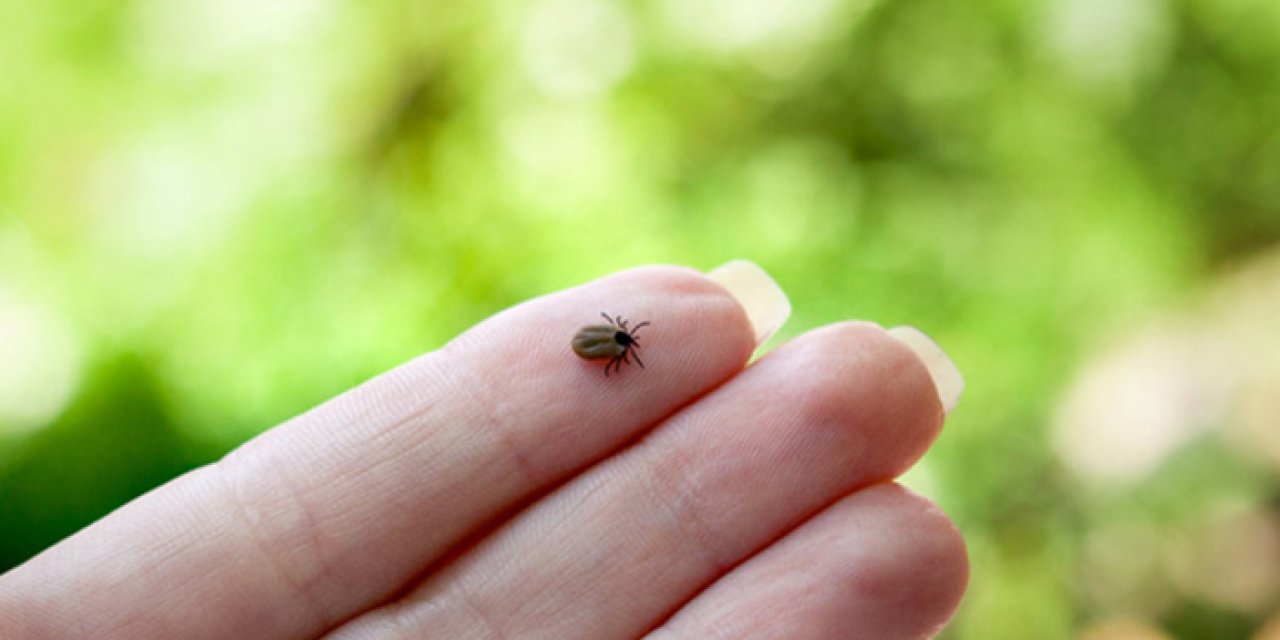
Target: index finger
335, 510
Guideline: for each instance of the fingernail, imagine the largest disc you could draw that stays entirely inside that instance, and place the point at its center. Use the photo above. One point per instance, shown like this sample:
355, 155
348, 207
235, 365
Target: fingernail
946, 377
766, 305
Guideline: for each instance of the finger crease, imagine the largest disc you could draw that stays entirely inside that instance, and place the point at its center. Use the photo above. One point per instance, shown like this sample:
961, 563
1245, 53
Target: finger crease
457, 600
488, 409
290, 579
676, 496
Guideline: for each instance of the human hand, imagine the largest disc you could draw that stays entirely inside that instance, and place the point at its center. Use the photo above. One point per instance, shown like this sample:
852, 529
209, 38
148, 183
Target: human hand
503, 487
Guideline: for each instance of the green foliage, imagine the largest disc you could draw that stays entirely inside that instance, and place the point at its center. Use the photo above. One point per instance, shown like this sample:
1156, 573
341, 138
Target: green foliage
270, 202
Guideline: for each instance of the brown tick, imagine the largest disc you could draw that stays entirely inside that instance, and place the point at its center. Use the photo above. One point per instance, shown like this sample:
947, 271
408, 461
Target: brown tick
614, 341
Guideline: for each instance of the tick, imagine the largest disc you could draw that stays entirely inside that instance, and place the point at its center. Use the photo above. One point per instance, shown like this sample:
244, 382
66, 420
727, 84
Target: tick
614, 341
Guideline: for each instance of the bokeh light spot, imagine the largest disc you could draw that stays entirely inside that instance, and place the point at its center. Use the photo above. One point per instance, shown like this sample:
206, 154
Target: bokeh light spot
159, 197
573, 48
207, 35
41, 360
1131, 409
1105, 42
1231, 559
571, 147
727, 26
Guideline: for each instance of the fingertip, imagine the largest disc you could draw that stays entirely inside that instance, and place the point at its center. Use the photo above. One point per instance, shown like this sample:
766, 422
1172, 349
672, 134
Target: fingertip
908, 572
882, 563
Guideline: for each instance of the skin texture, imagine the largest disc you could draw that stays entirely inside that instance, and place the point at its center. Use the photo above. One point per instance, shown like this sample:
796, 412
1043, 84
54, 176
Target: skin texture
467, 495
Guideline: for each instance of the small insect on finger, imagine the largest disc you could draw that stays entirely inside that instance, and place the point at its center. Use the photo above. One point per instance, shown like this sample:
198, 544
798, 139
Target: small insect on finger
613, 341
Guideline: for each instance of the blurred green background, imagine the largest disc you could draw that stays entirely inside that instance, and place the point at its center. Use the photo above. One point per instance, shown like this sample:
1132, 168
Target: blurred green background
215, 214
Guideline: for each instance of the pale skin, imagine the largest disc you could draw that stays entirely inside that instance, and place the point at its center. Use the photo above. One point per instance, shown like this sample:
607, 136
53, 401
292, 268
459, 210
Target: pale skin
502, 487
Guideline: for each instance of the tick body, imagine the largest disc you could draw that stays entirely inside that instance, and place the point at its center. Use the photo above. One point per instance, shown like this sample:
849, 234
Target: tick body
614, 341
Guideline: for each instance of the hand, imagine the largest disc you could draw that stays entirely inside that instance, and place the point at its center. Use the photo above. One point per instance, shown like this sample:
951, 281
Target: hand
503, 487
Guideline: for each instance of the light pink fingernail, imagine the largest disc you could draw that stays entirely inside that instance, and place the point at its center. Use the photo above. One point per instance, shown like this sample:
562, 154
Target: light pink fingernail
764, 301
946, 376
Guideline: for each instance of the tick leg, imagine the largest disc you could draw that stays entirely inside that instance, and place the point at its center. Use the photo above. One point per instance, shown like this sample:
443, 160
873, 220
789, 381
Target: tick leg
638, 360
637, 327
606, 317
